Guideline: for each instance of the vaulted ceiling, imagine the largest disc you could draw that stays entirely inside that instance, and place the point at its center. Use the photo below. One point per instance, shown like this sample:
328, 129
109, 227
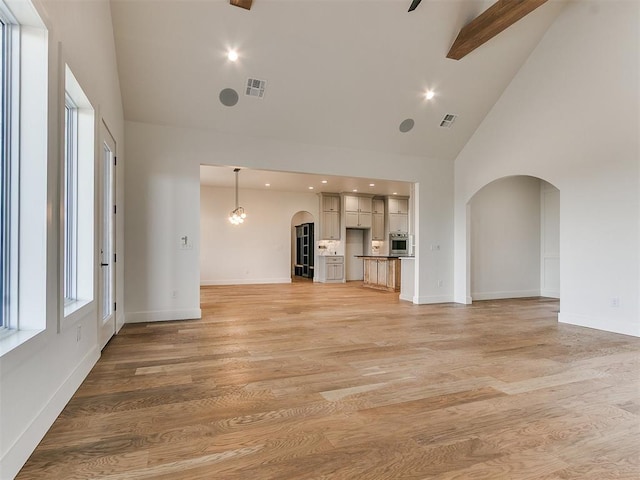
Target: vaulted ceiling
338, 72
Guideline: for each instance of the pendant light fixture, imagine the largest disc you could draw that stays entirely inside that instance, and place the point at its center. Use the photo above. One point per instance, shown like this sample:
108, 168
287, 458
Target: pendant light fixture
237, 216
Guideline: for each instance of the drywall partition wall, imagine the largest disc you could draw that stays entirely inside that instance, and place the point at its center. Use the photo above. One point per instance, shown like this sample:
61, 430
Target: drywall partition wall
38, 377
163, 204
505, 239
549, 240
257, 251
554, 121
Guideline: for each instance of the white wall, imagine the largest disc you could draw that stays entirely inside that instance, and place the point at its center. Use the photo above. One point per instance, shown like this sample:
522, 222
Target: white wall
163, 204
549, 240
570, 117
38, 377
505, 239
259, 250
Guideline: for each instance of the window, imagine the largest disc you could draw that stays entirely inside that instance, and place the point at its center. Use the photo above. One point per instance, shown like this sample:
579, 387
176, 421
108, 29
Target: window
70, 201
78, 251
8, 184
23, 174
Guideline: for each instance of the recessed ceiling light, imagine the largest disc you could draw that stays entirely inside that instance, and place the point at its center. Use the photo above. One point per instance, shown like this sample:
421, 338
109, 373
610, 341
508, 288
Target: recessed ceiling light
354, 190
372, 184
232, 55
310, 188
267, 184
395, 193
429, 94
324, 181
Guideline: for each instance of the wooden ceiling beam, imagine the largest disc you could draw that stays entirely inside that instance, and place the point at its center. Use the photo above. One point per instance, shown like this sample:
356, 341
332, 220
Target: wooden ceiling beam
246, 4
490, 23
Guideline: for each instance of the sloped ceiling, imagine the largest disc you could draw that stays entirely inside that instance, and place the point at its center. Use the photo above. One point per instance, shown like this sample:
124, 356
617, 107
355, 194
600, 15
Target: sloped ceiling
339, 72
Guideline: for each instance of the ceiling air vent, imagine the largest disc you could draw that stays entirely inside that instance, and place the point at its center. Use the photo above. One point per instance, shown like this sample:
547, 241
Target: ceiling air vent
255, 88
448, 120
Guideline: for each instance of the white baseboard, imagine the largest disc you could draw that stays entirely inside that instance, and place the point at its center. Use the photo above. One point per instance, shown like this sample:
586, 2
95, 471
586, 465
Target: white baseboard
504, 295
433, 299
17, 455
550, 294
607, 324
162, 315
246, 281
407, 298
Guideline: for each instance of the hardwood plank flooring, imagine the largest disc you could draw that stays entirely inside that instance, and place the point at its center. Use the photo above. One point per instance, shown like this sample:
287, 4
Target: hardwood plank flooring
320, 381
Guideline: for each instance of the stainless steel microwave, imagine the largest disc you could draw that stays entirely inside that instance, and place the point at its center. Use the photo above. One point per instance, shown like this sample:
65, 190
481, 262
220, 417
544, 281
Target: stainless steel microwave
398, 243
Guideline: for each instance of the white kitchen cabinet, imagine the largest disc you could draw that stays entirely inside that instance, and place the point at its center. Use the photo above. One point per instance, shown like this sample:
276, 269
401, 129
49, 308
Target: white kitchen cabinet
353, 203
398, 205
330, 227
330, 203
378, 206
398, 214
357, 219
330, 219
377, 227
331, 269
398, 222
357, 211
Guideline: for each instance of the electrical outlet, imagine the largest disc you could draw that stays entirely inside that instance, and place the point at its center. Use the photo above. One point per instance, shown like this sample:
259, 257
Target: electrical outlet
174, 294
615, 302
440, 283
78, 333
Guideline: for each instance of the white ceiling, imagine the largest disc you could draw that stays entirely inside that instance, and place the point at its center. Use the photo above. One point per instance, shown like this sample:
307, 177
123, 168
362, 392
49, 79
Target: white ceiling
341, 73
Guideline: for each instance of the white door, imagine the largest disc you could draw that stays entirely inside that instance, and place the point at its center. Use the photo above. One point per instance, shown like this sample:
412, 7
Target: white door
106, 235
354, 246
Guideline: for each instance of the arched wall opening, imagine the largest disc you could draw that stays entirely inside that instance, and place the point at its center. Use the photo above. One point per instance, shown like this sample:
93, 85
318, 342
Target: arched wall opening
513, 239
302, 259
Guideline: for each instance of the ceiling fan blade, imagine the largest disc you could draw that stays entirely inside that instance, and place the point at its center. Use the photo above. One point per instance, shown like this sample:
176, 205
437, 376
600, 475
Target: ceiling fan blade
414, 4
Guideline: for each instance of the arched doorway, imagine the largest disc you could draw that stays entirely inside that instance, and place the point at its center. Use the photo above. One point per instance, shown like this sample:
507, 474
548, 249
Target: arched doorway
513, 239
302, 245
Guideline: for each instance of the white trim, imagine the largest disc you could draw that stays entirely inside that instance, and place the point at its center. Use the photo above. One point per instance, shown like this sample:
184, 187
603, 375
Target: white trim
163, 316
18, 453
433, 299
550, 294
246, 281
505, 295
612, 324
406, 297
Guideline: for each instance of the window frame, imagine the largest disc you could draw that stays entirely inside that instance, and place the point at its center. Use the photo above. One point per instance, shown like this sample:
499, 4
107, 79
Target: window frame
9, 176
77, 203
70, 202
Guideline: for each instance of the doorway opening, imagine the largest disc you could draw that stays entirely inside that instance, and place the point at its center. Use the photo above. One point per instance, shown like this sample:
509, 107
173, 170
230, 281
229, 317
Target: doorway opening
514, 239
358, 242
302, 246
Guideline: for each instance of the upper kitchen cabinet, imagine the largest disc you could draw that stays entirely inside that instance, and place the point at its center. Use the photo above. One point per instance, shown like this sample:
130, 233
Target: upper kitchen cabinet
398, 205
378, 206
330, 219
330, 203
398, 214
358, 211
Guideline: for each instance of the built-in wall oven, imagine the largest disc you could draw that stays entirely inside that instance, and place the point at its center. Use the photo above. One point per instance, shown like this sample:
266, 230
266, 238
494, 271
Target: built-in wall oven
398, 244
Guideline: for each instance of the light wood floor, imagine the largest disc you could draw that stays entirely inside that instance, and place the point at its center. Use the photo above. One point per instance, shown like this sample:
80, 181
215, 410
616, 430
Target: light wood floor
316, 381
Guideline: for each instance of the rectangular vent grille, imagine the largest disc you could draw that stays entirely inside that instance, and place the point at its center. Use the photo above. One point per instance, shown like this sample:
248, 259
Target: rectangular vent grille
448, 120
255, 88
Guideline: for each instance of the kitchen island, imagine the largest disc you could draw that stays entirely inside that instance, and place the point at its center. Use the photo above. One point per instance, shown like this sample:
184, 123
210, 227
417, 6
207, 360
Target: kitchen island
381, 272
